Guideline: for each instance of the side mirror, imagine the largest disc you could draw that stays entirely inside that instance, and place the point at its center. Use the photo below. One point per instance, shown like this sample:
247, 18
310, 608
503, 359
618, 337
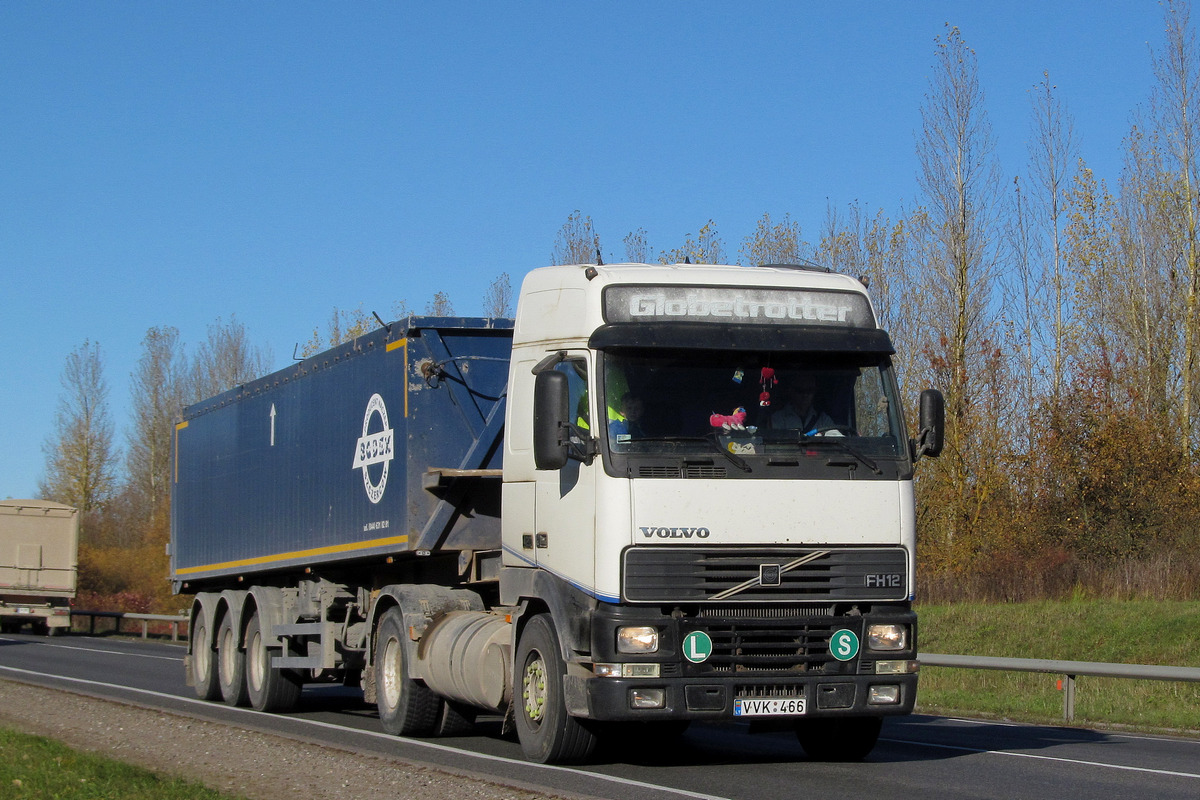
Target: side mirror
933, 424
550, 415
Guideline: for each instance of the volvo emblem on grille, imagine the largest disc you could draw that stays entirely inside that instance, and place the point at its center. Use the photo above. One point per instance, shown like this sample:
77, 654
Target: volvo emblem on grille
768, 574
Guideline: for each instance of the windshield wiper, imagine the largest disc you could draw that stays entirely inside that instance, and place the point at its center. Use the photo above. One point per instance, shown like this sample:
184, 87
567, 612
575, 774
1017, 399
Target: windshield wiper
711, 439
835, 441
737, 460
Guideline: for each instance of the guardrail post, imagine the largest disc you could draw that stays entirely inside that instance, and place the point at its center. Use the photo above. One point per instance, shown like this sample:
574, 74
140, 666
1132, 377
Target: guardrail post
145, 629
1069, 698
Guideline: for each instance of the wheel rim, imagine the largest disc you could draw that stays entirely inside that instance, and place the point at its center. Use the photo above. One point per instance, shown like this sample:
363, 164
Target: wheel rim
202, 654
533, 688
227, 655
255, 662
390, 683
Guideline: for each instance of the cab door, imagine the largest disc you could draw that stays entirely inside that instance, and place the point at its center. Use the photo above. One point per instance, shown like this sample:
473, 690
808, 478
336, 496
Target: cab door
565, 499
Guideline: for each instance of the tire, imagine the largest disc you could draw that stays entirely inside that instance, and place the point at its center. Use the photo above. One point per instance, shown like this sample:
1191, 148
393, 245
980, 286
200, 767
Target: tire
204, 662
455, 719
840, 738
548, 735
268, 689
231, 664
406, 708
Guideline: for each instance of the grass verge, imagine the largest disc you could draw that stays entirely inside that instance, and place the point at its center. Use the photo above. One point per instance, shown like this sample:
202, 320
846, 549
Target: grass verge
1128, 632
34, 768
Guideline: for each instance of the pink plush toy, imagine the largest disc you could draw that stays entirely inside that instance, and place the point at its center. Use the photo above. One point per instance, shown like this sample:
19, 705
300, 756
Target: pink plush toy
767, 381
730, 422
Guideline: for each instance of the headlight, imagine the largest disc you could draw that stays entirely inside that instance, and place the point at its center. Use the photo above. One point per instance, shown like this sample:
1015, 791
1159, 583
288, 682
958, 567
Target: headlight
637, 639
887, 637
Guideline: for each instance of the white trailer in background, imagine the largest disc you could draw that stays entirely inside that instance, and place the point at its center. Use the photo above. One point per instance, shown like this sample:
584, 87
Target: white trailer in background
39, 545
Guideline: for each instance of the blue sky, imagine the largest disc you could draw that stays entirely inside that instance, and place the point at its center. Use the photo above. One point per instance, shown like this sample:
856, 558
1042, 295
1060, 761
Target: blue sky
172, 163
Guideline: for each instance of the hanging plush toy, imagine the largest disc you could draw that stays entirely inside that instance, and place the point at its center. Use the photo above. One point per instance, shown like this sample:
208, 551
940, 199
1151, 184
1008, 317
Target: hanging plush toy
730, 422
767, 381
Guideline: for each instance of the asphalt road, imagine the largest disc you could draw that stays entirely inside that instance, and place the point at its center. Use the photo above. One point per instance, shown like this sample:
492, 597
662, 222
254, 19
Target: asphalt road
920, 756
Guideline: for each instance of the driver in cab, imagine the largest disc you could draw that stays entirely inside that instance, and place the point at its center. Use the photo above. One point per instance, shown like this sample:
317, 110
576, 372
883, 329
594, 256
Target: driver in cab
797, 411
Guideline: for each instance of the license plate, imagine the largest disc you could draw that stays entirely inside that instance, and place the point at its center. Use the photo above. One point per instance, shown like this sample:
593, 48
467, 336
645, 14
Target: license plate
768, 706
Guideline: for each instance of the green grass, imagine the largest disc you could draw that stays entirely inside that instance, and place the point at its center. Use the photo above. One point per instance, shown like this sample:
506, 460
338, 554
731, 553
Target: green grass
41, 769
1131, 632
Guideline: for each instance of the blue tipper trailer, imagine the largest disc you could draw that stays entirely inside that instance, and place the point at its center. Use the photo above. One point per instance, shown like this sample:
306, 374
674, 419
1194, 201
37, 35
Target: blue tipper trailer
385, 447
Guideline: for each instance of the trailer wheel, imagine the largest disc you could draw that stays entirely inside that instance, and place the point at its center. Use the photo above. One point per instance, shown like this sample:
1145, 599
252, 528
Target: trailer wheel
231, 664
204, 662
840, 738
269, 689
406, 708
547, 733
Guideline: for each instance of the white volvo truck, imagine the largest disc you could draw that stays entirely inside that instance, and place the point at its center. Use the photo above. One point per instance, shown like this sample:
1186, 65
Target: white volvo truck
661, 495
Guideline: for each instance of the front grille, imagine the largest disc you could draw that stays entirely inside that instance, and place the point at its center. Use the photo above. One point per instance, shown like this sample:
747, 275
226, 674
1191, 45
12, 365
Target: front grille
655, 574
773, 647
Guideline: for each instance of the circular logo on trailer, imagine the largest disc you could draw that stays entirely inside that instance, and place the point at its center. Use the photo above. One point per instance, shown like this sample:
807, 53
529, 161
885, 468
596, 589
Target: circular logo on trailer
843, 645
374, 449
697, 647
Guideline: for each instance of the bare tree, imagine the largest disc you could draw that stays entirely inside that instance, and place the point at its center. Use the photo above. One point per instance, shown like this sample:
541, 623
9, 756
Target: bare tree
1053, 154
577, 241
226, 359
637, 247
81, 461
439, 306
959, 180
705, 248
343, 326
1177, 115
954, 235
498, 300
774, 243
157, 392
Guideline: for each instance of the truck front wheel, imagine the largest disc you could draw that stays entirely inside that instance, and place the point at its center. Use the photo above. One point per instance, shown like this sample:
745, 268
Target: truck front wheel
204, 662
406, 708
839, 738
547, 733
269, 689
231, 664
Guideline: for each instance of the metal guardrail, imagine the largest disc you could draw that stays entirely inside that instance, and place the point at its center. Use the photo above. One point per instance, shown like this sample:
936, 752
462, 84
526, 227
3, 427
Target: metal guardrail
145, 619
1070, 670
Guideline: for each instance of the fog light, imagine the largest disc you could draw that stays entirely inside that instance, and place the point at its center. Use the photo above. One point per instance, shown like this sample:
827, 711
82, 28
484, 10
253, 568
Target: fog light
637, 639
896, 667
640, 670
883, 695
887, 637
647, 698
627, 670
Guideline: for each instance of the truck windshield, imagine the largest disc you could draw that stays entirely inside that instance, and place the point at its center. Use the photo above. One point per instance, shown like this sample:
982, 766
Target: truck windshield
750, 404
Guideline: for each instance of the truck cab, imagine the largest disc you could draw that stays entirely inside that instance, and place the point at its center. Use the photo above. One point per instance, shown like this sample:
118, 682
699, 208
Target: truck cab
708, 498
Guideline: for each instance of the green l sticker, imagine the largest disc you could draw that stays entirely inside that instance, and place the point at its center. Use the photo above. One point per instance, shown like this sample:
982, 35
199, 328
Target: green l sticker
843, 645
697, 647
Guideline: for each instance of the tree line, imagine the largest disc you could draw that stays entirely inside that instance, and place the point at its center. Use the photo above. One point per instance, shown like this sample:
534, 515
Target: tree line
1060, 316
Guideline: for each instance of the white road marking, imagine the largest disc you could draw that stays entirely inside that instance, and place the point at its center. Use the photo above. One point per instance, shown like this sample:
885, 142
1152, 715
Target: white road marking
1013, 754
90, 649
379, 735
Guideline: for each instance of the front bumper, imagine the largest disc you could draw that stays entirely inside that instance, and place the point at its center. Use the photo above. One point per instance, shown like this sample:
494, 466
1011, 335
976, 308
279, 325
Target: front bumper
611, 699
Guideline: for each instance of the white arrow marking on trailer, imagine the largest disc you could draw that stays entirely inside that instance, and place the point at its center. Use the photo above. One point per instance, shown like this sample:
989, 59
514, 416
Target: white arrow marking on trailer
272, 424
